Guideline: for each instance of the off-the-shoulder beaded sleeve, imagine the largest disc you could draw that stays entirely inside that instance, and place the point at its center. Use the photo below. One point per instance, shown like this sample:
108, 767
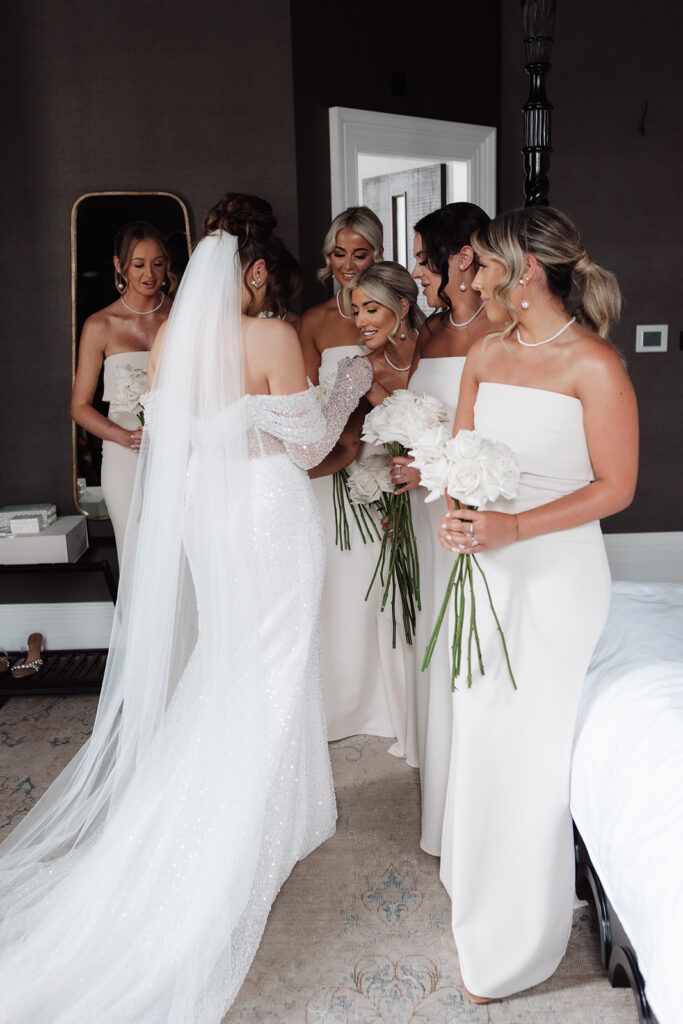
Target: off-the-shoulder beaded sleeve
307, 431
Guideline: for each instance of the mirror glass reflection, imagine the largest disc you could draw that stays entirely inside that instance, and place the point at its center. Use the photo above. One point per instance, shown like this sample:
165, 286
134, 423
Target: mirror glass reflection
145, 287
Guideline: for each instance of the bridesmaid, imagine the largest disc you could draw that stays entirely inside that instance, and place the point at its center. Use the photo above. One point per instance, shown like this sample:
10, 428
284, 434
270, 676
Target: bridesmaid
383, 303
357, 687
547, 383
445, 266
120, 336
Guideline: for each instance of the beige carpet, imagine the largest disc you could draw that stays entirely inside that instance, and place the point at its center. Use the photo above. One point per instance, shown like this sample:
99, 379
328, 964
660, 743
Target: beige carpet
360, 933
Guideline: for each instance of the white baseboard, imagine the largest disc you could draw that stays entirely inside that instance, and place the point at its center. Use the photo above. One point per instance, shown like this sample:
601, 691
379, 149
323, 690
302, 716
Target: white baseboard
73, 626
646, 557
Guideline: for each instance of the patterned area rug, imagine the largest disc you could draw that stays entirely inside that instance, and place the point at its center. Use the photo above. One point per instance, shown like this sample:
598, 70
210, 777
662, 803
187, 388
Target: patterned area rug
360, 933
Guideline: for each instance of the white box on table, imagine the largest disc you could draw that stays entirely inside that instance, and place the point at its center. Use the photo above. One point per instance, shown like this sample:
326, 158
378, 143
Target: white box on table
64, 541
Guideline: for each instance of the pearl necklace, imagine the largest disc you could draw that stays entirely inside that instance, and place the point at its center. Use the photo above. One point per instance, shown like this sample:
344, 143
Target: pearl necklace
535, 344
466, 322
342, 313
399, 369
143, 312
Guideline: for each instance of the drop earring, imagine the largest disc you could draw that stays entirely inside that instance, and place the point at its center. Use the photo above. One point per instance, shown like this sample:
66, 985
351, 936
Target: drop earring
402, 335
463, 286
525, 302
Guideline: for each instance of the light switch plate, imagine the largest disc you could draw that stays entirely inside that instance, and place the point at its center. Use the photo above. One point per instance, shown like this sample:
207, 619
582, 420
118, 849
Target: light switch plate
651, 337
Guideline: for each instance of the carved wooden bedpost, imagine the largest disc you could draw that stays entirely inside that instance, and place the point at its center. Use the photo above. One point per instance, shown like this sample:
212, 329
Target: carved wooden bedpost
538, 17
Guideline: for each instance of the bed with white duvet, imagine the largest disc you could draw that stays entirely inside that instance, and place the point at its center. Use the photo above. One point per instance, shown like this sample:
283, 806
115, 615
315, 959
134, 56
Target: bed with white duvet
627, 790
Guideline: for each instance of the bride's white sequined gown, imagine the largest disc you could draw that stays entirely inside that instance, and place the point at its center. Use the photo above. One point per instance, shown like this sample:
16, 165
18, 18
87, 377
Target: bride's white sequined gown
157, 917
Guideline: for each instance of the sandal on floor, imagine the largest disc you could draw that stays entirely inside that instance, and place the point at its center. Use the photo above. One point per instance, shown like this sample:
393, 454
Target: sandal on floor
33, 661
4, 661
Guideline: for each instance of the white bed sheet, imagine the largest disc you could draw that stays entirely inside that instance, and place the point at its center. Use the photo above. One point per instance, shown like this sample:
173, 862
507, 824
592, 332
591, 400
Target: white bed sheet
627, 779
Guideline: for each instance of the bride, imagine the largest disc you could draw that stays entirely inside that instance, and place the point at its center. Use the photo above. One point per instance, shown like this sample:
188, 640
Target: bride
138, 888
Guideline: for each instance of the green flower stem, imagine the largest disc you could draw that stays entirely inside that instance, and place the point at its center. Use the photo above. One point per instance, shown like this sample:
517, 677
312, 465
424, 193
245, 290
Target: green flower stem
397, 564
341, 498
500, 628
473, 620
460, 578
442, 611
341, 523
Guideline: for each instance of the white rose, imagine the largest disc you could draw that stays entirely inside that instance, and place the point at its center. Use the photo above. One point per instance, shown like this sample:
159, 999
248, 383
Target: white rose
503, 471
434, 476
467, 444
130, 385
431, 443
368, 478
465, 482
374, 425
433, 411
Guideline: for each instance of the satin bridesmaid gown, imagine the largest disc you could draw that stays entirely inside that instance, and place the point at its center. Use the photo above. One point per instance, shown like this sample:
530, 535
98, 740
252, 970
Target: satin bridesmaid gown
119, 464
364, 678
507, 854
429, 692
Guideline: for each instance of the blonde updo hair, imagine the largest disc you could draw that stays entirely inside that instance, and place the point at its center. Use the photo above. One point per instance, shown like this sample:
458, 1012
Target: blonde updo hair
364, 222
387, 283
591, 293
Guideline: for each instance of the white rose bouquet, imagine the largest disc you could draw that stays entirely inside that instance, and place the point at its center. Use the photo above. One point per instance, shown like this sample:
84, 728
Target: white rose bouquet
399, 423
472, 470
130, 385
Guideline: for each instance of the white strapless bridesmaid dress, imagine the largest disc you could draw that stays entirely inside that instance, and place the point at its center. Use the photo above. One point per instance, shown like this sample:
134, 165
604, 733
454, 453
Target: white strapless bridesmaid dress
119, 464
364, 678
429, 692
507, 852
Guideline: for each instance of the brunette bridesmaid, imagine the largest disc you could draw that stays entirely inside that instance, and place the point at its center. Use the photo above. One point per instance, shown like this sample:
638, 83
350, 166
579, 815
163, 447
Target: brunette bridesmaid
445, 266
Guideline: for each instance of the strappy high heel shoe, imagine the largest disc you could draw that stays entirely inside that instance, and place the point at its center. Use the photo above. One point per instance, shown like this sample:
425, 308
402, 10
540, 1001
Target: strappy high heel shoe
32, 663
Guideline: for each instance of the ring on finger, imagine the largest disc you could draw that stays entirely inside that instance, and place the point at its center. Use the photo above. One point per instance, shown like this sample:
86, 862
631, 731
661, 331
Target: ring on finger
471, 529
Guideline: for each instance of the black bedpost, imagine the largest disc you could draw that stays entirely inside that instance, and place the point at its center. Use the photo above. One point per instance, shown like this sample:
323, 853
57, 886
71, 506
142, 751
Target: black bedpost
538, 17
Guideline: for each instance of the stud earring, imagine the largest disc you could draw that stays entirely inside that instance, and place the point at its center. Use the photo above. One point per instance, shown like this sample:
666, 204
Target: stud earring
525, 302
255, 284
463, 286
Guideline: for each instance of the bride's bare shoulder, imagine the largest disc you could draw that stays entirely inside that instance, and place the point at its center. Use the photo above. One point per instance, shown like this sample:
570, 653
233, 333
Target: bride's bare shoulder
268, 331
269, 342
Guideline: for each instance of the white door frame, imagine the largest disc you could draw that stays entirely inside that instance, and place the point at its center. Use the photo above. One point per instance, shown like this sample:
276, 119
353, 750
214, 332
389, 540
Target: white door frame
367, 131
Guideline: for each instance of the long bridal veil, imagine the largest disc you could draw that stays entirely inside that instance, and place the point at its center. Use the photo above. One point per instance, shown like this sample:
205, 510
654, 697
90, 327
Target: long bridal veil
127, 892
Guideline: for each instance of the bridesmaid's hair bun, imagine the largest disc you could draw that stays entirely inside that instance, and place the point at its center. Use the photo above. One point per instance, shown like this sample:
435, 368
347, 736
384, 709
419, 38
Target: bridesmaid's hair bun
247, 217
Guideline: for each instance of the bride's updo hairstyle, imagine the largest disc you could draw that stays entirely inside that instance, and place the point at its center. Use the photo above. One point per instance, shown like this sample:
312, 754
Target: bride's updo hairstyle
387, 283
363, 221
590, 293
253, 222
443, 234
125, 241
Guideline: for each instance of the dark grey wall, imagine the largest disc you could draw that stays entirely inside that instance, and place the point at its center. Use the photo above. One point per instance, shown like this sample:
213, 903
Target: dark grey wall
623, 190
191, 99
448, 54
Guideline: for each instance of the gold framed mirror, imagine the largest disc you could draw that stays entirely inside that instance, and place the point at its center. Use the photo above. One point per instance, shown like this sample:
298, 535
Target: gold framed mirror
96, 217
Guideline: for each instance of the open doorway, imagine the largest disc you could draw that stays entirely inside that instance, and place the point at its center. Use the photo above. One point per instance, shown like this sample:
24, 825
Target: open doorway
404, 167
